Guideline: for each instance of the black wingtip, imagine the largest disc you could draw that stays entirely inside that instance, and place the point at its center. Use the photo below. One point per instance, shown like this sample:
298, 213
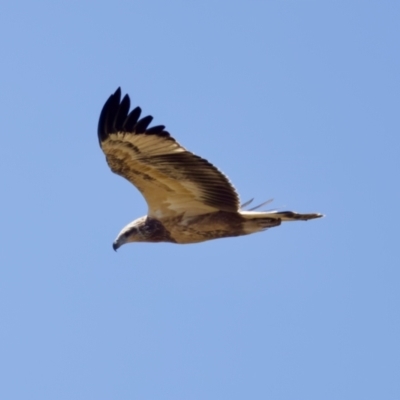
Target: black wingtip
122, 113
107, 115
142, 124
115, 117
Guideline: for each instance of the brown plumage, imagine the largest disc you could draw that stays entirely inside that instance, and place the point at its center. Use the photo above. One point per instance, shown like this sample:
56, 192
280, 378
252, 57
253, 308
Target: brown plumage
189, 200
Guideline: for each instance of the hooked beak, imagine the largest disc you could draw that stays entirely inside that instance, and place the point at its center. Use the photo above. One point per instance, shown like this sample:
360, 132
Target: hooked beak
115, 246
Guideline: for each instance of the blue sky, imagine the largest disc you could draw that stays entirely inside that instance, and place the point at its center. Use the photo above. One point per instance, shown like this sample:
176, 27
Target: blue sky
294, 100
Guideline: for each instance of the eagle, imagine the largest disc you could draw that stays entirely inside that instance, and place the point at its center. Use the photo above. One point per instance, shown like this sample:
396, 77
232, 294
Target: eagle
189, 200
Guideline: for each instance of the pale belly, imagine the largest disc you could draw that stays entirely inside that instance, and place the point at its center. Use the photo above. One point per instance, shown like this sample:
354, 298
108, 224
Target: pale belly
205, 227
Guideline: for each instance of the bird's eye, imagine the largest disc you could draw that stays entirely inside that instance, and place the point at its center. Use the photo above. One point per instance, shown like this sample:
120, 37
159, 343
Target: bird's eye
130, 232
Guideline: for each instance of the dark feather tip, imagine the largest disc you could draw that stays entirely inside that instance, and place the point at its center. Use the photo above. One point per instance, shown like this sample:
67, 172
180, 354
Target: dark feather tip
115, 117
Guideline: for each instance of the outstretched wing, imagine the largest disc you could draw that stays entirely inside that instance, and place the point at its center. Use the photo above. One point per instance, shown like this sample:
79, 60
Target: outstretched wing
171, 179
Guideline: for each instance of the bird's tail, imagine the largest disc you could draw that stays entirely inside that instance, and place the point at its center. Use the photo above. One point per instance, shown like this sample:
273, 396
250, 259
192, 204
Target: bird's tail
257, 220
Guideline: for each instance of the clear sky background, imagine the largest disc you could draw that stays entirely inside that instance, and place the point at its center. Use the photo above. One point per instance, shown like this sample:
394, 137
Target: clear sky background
294, 100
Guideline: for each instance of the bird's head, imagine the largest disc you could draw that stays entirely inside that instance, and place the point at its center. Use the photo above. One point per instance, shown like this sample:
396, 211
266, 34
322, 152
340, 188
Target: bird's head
133, 232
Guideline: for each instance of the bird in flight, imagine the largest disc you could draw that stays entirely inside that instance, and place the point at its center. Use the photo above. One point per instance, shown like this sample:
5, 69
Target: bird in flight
189, 200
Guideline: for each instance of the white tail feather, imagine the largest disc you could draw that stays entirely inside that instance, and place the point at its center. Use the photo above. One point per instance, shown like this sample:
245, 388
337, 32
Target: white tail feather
281, 215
